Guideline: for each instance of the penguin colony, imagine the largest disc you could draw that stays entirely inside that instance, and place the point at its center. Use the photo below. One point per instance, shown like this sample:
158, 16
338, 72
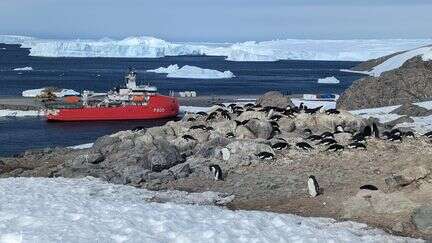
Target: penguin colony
274, 114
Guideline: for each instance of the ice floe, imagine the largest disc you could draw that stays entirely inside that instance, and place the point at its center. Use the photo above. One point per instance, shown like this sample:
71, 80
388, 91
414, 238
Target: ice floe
328, 80
23, 69
37, 92
173, 71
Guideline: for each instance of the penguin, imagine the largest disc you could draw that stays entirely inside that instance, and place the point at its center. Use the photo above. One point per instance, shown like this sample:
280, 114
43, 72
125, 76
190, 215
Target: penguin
396, 138
327, 135
375, 130
274, 124
216, 171
209, 128
386, 135
250, 109
367, 131
335, 147
327, 141
307, 131
275, 117
314, 137
280, 145
301, 106
396, 132
191, 119
220, 110
248, 105
409, 134
202, 113
244, 122
289, 113
359, 137
339, 129
188, 137
203, 127
332, 111
313, 187
238, 112
265, 155
369, 187
226, 115
304, 146
312, 111
211, 116
356, 145
277, 109
229, 135
428, 134
221, 105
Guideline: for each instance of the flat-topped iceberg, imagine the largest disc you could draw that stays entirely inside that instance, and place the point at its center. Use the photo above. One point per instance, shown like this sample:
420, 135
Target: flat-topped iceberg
328, 80
273, 50
23, 69
173, 71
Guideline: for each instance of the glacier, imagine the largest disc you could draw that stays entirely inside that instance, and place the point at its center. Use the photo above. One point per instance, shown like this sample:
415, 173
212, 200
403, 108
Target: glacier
173, 71
273, 50
89, 210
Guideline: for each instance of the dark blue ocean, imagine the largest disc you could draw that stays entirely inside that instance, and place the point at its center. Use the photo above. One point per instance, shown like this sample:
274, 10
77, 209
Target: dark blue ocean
101, 74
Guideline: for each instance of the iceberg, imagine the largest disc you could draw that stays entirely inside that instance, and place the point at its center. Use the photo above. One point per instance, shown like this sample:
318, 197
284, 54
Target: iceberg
193, 72
328, 80
272, 50
23, 69
89, 210
60, 93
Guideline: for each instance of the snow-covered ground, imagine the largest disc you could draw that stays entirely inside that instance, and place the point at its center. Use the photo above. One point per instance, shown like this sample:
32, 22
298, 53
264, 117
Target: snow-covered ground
82, 146
173, 71
89, 210
397, 61
329, 80
23, 69
36, 92
302, 49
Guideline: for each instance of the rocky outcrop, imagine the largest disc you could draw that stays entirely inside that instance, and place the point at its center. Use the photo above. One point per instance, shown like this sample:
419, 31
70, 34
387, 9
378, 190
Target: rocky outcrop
275, 99
409, 83
410, 109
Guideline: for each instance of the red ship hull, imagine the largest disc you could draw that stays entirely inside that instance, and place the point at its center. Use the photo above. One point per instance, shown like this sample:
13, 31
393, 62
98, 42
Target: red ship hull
158, 107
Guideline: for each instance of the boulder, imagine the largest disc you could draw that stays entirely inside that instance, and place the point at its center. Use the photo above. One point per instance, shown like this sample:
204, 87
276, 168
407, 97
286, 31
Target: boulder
406, 177
287, 124
343, 138
422, 219
224, 127
275, 99
134, 174
164, 156
247, 115
226, 154
106, 144
249, 147
243, 132
260, 129
321, 122
181, 170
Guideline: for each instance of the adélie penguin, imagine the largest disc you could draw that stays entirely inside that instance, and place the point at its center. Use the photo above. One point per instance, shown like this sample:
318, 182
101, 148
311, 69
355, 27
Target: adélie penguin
313, 187
216, 171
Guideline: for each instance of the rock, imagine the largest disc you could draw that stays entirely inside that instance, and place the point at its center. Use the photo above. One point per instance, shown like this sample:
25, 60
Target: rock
225, 127
134, 174
275, 99
287, 124
106, 144
181, 170
407, 84
161, 132
243, 132
403, 119
321, 122
422, 219
164, 156
247, 115
259, 128
407, 177
409, 109
249, 147
343, 138
377, 202
207, 149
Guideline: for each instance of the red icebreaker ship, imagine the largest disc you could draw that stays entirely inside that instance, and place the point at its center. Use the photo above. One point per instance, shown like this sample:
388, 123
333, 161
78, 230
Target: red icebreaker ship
130, 103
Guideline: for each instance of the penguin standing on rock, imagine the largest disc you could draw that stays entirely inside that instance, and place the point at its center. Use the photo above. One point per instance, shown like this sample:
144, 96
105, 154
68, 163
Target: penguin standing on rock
216, 171
313, 187
265, 155
375, 130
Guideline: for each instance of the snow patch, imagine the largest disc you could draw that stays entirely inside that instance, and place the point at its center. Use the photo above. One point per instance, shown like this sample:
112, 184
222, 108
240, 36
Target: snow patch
193, 72
351, 50
37, 92
328, 80
23, 69
82, 146
89, 210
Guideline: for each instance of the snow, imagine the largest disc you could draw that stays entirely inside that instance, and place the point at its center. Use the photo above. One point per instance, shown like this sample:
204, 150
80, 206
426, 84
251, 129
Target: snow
314, 103
36, 92
328, 80
89, 210
23, 69
193, 109
193, 72
273, 50
82, 146
18, 113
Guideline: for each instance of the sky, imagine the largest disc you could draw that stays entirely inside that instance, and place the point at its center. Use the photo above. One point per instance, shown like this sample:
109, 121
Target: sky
218, 20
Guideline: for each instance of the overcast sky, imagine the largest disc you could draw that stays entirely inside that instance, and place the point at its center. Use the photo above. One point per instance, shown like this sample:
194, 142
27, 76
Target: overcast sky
218, 20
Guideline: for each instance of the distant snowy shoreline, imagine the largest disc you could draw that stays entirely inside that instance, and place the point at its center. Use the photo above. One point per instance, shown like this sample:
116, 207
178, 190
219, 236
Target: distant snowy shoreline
273, 50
